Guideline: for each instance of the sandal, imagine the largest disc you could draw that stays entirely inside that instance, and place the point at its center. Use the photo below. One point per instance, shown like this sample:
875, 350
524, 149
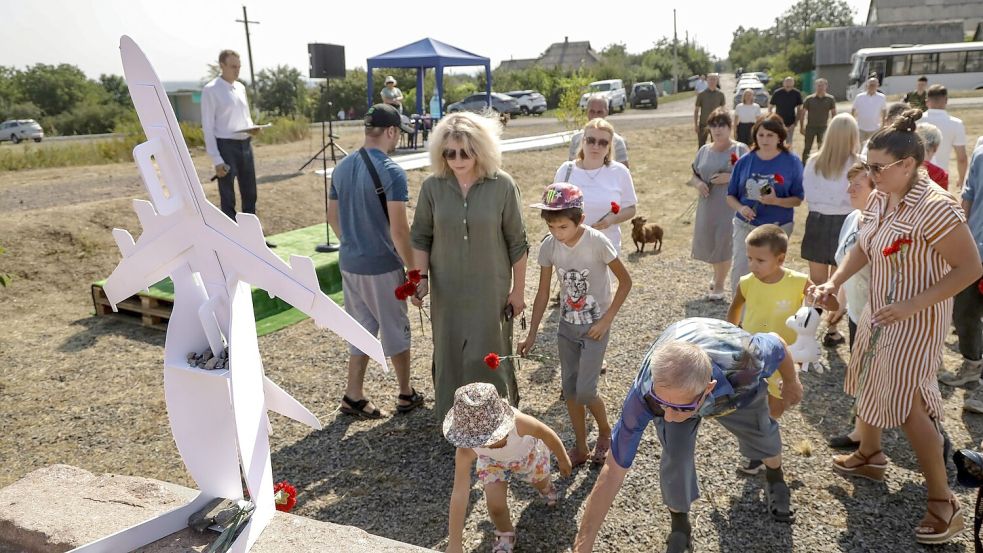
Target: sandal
940, 530
357, 408
552, 496
504, 542
779, 501
601, 449
832, 339
577, 459
679, 542
866, 469
415, 400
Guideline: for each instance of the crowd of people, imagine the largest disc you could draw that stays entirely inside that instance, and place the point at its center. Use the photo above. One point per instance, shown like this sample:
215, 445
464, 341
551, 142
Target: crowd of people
886, 246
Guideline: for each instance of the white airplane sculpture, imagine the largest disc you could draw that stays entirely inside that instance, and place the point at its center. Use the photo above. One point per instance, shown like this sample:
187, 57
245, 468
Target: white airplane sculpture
219, 418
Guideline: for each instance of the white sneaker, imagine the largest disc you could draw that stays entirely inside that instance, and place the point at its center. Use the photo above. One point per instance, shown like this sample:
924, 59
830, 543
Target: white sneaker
967, 376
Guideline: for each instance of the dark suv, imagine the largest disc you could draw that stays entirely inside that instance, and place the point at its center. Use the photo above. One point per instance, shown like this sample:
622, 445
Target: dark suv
644, 94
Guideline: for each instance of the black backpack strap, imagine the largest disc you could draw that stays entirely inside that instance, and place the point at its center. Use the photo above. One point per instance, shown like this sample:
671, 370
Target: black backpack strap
379, 190
566, 177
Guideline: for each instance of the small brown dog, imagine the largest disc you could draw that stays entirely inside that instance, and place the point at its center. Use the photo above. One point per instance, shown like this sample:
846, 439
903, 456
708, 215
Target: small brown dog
642, 234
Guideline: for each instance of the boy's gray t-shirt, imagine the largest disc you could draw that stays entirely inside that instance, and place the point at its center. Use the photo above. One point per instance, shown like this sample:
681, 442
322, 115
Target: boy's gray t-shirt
366, 245
585, 281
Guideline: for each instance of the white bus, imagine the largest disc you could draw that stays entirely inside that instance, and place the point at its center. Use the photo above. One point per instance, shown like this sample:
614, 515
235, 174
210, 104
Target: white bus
958, 66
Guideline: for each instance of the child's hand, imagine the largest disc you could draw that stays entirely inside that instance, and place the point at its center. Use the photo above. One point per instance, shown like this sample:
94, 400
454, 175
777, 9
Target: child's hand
526, 345
566, 467
598, 329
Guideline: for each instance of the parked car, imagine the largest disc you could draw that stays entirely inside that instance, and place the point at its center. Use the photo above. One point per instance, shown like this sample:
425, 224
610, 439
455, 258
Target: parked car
763, 77
748, 81
644, 94
530, 101
612, 89
500, 103
16, 130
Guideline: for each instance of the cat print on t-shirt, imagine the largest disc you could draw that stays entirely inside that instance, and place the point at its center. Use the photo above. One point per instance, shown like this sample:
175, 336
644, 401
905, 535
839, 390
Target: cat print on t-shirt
756, 183
579, 307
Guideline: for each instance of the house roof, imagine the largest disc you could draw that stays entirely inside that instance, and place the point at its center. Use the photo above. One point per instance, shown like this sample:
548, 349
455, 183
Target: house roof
910, 11
569, 55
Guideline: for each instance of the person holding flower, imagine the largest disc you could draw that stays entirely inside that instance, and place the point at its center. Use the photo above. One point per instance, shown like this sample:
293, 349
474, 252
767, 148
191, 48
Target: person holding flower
921, 253
712, 229
469, 244
605, 183
765, 188
582, 256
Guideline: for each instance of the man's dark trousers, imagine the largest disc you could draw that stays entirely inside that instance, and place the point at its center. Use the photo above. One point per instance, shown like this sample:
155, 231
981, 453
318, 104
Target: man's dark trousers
238, 155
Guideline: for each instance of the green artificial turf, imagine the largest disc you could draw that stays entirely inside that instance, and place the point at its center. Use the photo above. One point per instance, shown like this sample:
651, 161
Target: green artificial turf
274, 314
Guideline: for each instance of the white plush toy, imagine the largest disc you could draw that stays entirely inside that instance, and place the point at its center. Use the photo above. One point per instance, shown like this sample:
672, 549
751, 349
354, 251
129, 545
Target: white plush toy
805, 350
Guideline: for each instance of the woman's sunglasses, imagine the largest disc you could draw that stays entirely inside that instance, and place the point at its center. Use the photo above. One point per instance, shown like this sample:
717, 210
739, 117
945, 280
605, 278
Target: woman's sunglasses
877, 168
453, 154
602, 142
659, 405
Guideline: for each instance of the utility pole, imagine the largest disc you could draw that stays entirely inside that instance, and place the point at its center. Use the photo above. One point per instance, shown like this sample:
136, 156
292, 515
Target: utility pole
675, 39
249, 50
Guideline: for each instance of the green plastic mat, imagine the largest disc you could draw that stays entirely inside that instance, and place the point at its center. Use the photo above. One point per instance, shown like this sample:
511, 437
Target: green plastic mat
275, 314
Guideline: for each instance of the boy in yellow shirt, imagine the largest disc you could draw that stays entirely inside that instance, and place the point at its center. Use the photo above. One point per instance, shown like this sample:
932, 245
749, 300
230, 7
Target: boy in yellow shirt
769, 295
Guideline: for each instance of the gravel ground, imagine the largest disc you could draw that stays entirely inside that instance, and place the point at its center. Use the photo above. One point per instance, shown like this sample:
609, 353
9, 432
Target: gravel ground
87, 390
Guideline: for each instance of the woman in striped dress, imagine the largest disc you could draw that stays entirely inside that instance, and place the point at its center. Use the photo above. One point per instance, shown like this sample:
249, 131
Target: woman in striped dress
893, 367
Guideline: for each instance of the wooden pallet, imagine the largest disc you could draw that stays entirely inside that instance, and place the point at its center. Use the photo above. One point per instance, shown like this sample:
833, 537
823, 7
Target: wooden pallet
151, 312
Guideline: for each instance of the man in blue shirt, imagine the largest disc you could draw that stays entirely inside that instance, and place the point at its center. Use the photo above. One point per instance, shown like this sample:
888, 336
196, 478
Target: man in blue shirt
968, 305
370, 220
699, 368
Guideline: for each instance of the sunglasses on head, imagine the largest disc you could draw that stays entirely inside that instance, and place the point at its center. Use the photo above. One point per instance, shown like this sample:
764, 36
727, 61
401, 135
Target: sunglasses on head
877, 168
602, 142
659, 405
453, 154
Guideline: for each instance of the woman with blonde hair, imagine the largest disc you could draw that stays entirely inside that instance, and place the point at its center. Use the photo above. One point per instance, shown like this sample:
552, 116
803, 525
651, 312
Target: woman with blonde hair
825, 182
746, 114
470, 246
602, 180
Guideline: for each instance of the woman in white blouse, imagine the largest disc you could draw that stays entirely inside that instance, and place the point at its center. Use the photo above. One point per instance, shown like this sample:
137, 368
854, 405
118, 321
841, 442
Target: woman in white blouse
602, 181
825, 182
746, 114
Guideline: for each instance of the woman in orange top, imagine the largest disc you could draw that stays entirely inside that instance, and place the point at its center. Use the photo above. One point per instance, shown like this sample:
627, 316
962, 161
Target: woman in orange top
899, 345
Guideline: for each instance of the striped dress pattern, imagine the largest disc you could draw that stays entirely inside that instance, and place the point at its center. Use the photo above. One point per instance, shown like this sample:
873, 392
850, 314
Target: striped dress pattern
908, 353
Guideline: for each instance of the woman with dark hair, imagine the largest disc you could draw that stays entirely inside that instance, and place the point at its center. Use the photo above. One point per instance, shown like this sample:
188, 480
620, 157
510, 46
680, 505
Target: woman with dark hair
896, 358
711, 174
765, 187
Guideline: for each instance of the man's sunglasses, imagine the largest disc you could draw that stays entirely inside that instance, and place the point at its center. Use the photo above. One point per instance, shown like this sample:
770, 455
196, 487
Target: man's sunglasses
877, 168
602, 142
659, 405
452, 154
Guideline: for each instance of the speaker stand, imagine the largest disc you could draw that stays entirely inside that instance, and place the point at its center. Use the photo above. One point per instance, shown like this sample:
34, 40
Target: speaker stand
326, 143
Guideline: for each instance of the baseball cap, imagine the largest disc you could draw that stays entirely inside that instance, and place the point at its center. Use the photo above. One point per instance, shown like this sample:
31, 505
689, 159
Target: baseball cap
383, 115
559, 196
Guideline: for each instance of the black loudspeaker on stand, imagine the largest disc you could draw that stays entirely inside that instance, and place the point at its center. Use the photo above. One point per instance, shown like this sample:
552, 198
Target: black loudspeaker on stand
326, 61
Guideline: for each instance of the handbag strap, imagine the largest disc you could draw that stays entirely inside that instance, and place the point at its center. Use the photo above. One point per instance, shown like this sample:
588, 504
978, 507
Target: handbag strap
566, 178
379, 190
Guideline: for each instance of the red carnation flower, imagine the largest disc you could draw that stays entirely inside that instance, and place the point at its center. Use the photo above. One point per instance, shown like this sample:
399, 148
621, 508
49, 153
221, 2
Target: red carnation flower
493, 360
615, 208
414, 276
405, 290
890, 250
285, 496
733, 158
779, 179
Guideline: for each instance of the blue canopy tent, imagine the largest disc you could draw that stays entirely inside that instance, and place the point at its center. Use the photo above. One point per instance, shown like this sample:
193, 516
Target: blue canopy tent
428, 53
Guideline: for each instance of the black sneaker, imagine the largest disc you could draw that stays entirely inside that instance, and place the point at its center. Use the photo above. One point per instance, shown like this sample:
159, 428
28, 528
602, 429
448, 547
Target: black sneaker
752, 466
679, 542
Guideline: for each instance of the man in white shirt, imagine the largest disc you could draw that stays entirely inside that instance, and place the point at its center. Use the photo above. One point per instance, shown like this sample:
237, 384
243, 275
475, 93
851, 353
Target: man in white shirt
701, 84
953, 131
869, 109
597, 107
228, 128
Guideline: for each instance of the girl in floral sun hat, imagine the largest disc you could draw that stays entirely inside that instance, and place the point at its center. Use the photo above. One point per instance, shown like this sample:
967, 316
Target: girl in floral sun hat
504, 441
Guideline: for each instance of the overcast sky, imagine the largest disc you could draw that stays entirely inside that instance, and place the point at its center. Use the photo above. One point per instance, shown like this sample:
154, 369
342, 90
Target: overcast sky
182, 36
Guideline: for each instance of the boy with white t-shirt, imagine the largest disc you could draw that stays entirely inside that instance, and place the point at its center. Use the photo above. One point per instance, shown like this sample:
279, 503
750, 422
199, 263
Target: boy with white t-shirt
582, 256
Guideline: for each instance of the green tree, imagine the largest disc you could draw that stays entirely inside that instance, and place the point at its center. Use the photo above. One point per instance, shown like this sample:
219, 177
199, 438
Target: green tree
56, 89
115, 86
282, 91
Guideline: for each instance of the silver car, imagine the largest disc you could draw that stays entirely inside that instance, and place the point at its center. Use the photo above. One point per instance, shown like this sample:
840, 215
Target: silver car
479, 102
761, 95
16, 130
